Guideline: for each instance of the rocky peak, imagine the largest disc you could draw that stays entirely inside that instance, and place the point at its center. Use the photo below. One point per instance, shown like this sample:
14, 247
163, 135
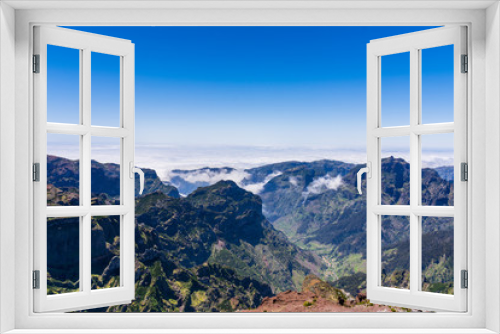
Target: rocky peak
238, 213
222, 196
315, 285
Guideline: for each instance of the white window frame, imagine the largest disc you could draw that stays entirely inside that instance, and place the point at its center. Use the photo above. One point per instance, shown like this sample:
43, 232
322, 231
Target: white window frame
86, 44
483, 100
414, 43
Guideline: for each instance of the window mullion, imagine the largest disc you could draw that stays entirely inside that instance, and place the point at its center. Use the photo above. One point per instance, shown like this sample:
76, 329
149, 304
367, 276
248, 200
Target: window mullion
414, 169
395, 131
80, 130
430, 129
406, 210
109, 132
392, 210
85, 249
85, 165
109, 210
67, 129
80, 211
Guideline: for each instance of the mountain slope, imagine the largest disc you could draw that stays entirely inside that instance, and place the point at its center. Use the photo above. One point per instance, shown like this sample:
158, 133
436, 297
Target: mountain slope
316, 205
211, 251
161, 283
223, 224
332, 222
63, 181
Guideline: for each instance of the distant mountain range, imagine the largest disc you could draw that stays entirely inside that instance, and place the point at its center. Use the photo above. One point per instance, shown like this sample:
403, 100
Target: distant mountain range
224, 248
317, 206
63, 180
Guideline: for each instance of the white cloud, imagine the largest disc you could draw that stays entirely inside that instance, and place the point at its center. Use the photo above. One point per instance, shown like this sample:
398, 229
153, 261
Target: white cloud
433, 160
324, 183
257, 188
293, 180
430, 158
211, 177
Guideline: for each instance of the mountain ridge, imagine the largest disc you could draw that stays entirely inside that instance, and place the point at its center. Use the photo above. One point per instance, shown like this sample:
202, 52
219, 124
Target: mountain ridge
63, 181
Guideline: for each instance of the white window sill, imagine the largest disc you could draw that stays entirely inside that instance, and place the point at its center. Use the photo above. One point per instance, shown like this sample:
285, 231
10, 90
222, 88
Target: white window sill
250, 331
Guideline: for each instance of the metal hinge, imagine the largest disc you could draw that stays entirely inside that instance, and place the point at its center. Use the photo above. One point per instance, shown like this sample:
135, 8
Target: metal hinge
36, 279
36, 172
36, 63
465, 64
464, 168
465, 279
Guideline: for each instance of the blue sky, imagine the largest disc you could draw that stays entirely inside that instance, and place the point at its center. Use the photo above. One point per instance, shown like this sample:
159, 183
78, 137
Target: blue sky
250, 87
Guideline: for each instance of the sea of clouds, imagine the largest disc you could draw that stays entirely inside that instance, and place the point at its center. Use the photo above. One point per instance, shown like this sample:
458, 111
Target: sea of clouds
165, 158
242, 179
209, 177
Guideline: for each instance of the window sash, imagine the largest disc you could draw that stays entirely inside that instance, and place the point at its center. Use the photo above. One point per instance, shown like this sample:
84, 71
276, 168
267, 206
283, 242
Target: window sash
413, 43
86, 297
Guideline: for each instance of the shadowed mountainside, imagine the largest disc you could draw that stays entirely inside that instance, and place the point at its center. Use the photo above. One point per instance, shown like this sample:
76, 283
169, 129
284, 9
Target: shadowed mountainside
211, 251
223, 224
63, 180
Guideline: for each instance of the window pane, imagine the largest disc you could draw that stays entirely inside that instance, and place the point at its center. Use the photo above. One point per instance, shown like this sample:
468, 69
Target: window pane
437, 84
63, 85
395, 173
437, 169
63, 170
395, 89
105, 90
105, 252
437, 254
105, 176
395, 251
63, 255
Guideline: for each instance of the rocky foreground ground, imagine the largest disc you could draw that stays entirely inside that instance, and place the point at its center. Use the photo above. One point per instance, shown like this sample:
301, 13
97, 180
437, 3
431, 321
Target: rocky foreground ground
319, 296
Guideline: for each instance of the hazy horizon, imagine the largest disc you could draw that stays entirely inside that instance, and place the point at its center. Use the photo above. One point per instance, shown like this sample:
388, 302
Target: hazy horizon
165, 158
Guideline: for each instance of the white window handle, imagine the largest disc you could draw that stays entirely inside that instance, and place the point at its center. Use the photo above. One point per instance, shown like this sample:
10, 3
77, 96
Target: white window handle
139, 171
363, 170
